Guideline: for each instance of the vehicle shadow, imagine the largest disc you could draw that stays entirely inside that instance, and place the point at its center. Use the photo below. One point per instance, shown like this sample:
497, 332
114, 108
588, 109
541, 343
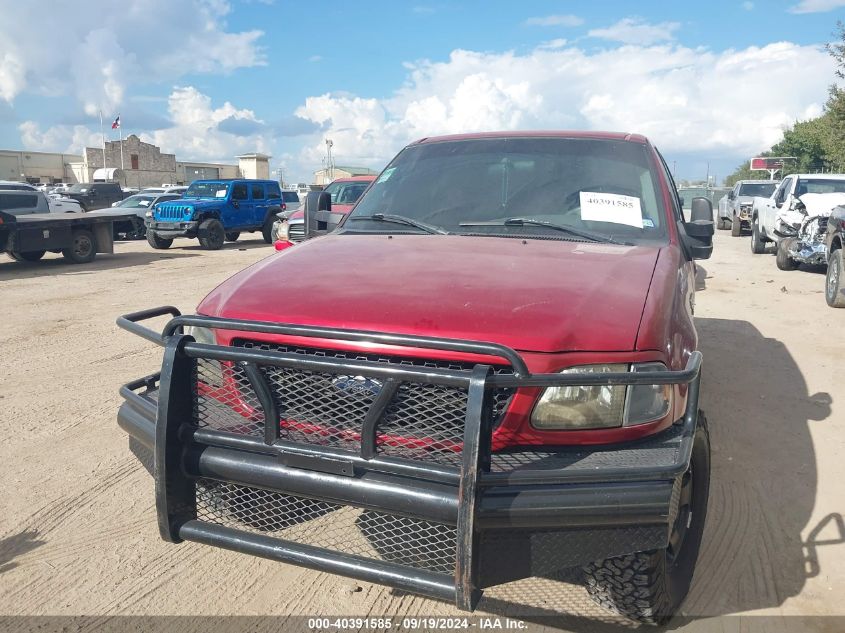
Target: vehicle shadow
764, 477
241, 244
763, 489
16, 545
53, 265
700, 277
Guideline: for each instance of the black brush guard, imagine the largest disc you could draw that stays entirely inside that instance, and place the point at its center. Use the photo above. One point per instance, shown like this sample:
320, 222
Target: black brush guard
509, 515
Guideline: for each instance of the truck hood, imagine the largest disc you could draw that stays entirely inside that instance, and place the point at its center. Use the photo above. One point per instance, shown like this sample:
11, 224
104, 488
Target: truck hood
821, 203
532, 295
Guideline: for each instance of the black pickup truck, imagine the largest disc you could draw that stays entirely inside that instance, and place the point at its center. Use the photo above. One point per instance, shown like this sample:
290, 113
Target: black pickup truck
96, 195
28, 230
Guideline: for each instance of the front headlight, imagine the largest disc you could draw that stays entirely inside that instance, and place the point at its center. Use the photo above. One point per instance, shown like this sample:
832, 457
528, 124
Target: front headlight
201, 334
209, 372
561, 408
148, 214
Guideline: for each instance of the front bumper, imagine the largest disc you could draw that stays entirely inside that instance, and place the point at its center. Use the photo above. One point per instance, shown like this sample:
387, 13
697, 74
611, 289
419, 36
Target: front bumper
445, 531
173, 229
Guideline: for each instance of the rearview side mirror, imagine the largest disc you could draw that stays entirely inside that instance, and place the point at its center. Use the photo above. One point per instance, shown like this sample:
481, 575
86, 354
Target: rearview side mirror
317, 211
697, 234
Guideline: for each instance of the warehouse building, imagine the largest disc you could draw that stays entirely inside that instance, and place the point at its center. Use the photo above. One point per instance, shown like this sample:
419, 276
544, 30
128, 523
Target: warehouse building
37, 167
131, 162
325, 176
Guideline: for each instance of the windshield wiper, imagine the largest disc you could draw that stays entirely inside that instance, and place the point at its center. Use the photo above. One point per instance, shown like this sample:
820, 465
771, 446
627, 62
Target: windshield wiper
401, 219
587, 235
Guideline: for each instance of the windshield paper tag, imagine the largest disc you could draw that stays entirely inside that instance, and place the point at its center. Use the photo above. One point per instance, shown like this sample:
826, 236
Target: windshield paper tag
386, 174
220, 193
611, 207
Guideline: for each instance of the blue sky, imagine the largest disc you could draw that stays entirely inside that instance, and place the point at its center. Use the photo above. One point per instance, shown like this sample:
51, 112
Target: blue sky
208, 79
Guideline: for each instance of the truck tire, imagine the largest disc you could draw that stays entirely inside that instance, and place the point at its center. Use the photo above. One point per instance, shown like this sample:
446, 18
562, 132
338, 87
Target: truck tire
649, 587
159, 243
784, 261
27, 256
835, 280
267, 231
83, 249
758, 246
211, 234
232, 236
736, 227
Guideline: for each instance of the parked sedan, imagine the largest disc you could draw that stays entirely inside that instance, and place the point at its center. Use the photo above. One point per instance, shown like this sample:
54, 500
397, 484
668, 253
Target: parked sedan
142, 203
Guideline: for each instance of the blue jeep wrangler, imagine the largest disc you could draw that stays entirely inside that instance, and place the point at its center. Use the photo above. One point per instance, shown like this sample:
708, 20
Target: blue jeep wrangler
215, 211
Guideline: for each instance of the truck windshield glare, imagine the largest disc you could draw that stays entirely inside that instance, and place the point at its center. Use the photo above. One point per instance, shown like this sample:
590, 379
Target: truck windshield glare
603, 187
207, 190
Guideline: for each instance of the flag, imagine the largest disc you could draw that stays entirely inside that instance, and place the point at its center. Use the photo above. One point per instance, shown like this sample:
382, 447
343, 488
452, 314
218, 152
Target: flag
116, 123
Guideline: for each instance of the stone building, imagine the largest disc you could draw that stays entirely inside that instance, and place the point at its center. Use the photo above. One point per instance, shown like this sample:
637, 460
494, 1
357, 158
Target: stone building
142, 164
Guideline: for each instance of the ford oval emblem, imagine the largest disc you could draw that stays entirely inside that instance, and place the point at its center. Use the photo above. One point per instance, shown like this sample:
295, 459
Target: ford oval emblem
358, 386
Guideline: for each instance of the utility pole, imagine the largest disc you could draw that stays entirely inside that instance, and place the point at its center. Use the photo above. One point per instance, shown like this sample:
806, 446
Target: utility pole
330, 163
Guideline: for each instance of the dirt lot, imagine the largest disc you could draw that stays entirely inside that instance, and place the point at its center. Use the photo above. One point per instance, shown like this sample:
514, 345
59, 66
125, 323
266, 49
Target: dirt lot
78, 530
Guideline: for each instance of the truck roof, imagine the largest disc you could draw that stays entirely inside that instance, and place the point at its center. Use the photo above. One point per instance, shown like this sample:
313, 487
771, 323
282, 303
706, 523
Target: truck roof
619, 136
230, 180
818, 176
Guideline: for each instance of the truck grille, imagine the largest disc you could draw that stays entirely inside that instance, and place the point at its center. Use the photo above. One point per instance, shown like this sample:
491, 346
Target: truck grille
171, 212
296, 232
422, 421
340, 528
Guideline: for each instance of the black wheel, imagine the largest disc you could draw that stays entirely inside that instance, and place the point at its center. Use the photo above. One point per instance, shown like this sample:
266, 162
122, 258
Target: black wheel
233, 236
736, 227
835, 281
649, 586
84, 248
758, 246
27, 256
157, 242
267, 231
784, 260
211, 234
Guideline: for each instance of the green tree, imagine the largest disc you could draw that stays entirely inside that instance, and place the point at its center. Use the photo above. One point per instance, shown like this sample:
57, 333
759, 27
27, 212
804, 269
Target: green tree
835, 107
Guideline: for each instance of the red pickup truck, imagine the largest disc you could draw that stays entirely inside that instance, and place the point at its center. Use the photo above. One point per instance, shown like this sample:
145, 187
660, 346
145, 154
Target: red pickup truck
491, 373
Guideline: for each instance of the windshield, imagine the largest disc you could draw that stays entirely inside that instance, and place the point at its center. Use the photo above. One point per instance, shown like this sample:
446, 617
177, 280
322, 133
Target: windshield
763, 190
346, 192
134, 202
81, 188
819, 185
604, 187
207, 190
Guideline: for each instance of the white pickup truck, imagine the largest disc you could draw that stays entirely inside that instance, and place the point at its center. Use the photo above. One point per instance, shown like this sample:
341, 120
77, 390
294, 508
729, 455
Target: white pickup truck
766, 212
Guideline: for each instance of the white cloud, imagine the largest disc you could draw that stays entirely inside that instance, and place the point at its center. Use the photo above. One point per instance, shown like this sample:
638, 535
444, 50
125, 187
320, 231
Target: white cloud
93, 52
637, 31
198, 131
69, 139
684, 99
816, 6
555, 20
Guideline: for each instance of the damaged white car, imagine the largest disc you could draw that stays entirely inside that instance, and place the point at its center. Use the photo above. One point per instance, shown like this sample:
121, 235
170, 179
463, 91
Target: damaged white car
801, 229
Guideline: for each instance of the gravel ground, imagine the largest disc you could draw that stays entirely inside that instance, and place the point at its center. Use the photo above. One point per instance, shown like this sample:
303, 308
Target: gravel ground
78, 532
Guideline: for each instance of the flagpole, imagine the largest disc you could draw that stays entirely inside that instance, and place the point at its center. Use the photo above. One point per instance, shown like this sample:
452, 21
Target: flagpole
103, 134
120, 132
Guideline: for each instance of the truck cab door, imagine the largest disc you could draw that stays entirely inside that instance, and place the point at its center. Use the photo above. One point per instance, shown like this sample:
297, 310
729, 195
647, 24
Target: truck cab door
773, 205
239, 211
259, 203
